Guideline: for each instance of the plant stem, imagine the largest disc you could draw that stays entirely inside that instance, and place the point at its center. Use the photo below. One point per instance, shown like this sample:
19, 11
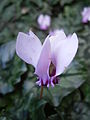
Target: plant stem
41, 92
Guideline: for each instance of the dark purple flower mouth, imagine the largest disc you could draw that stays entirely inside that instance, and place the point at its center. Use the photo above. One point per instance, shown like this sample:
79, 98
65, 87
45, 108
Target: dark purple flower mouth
52, 70
52, 79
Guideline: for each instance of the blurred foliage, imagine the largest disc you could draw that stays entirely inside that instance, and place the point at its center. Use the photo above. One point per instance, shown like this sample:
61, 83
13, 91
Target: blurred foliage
19, 96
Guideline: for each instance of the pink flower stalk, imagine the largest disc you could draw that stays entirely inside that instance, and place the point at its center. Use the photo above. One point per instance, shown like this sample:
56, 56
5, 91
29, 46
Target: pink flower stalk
44, 21
86, 15
50, 59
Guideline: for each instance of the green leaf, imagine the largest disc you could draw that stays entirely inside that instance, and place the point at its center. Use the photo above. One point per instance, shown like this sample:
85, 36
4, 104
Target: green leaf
63, 2
7, 52
36, 109
5, 88
81, 111
69, 82
15, 69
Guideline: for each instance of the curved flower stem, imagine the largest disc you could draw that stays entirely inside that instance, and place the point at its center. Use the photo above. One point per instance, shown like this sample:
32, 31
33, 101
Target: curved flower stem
41, 92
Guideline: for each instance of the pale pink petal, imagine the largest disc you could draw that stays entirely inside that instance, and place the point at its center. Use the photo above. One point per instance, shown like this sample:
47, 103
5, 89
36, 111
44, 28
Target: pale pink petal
44, 21
44, 61
65, 52
85, 18
28, 47
86, 15
56, 38
40, 19
47, 20
84, 11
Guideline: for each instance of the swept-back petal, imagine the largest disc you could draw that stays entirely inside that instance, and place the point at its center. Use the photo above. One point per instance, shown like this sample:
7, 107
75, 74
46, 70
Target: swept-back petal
40, 19
55, 39
47, 20
86, 14
44, 60
28, 47
65, 52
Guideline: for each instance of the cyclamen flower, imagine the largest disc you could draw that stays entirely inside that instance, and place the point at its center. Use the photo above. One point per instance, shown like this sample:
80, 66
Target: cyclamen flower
50, 59
44, 21
86, 15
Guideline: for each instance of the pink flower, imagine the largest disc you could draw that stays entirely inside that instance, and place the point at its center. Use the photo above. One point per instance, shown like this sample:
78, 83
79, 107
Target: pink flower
50, 59
86, 15
44, 21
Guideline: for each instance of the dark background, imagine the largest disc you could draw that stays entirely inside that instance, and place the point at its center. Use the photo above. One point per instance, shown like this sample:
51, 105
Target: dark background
19, 96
